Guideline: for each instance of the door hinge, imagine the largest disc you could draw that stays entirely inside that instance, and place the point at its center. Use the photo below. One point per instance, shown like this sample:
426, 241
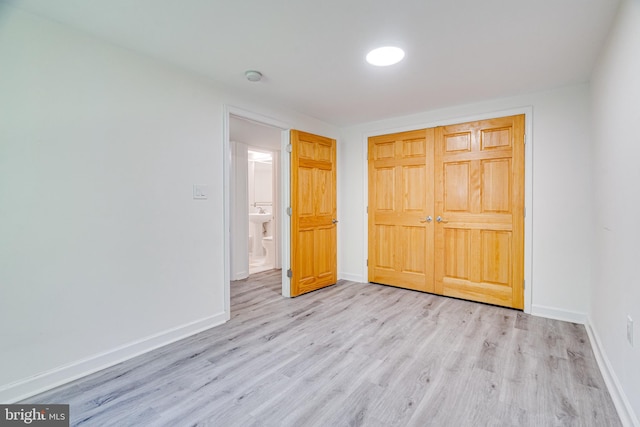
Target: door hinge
289, 273
367, 262
524, 138
289, 211
524, 284
289, 148
525, 212
367, 209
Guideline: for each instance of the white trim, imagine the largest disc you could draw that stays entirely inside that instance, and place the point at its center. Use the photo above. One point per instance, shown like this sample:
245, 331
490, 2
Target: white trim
625, 411
277, 207
559, 314
365, 191
24, 388
226, 202
528, 207
285, 223
528, 182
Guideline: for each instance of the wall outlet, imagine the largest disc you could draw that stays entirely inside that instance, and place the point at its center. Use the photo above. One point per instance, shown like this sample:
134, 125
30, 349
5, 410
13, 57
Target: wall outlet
630, 330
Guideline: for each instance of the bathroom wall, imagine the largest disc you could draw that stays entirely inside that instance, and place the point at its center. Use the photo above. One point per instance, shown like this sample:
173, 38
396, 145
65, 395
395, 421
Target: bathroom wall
238, 194
260, 178
263, 184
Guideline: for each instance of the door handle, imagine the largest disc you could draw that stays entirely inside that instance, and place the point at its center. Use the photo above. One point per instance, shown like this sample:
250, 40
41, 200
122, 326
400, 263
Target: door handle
427, 219
440, 219
335, 221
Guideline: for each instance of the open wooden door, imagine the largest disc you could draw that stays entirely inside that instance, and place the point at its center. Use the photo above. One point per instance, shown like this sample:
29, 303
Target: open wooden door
479, 223
313, 216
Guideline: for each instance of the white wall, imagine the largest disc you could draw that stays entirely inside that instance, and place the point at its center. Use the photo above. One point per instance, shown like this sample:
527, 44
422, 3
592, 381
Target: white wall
103, 251
562, 220
616, 115
239, 211
263, 183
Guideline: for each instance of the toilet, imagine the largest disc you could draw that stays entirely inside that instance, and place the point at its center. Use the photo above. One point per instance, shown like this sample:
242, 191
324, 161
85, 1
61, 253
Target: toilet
267, 244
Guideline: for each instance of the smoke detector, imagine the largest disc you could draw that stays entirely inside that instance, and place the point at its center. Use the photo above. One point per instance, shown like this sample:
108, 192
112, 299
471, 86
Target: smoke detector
253, 76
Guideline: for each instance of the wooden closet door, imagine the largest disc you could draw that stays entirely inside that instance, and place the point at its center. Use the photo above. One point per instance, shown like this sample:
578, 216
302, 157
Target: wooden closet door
479, 208
400, 202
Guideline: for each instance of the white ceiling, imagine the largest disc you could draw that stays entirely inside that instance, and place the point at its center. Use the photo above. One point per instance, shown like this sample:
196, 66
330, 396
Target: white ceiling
312, 52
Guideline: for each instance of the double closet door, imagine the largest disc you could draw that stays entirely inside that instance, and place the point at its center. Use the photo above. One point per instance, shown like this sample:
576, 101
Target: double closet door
446, 210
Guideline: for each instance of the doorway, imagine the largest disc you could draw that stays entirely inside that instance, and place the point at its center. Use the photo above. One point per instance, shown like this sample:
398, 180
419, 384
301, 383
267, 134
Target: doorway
254, 195
235, 122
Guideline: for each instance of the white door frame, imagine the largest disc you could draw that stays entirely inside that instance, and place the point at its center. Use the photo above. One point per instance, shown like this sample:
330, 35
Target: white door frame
284, 196
528, 183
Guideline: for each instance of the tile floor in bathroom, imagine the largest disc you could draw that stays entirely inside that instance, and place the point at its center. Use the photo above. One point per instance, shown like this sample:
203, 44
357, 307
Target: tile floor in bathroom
256, 264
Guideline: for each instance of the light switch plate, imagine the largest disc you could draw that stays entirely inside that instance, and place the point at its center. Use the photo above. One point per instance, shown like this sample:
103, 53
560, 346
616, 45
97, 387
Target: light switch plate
200, 192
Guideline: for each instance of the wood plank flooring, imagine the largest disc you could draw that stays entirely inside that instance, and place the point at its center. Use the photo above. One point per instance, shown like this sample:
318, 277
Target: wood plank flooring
354, 355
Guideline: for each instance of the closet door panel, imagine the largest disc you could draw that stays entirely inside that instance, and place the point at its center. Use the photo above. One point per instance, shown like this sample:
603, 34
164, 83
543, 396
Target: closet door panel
479, 193
400, 200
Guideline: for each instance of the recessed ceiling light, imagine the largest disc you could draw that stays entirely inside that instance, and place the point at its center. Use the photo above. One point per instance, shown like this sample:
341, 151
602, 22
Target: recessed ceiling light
384, 56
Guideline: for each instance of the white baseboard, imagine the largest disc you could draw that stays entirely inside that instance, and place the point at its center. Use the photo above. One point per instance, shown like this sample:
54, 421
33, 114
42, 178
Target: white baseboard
27, 387
622, 404
559, 314
240, 275
353, 277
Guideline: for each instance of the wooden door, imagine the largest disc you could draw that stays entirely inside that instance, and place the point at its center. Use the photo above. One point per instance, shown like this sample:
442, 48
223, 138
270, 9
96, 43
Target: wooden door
479, 201
313, 219
400, 204
469, 179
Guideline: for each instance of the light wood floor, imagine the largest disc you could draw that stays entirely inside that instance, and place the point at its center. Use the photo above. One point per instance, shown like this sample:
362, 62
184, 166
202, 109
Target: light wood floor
354, 354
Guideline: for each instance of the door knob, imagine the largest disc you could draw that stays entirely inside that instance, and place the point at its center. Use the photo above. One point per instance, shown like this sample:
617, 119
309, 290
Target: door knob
440, 219
427, 219
335, 221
